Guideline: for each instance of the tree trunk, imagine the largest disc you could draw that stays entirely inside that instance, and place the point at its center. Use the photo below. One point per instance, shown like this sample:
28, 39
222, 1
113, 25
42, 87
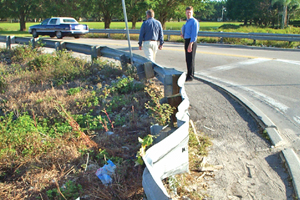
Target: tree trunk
245, 21
134, 20
22, 22
283, 18
107, 21
163, 19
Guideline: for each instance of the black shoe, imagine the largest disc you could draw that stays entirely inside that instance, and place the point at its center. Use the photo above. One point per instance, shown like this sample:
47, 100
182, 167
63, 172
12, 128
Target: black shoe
188, 78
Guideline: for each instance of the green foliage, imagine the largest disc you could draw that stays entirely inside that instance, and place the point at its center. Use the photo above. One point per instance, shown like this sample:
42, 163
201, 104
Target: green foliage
20, 137
24, 53
160, 112
3, 84
41, 62
202, 148
70, 190
126, 85
73, 91
145, 142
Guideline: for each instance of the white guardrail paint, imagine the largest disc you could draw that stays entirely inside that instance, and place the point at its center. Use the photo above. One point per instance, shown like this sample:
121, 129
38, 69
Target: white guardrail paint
169, 155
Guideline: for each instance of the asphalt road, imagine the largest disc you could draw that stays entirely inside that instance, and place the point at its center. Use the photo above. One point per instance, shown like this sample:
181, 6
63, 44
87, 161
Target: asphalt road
267, 77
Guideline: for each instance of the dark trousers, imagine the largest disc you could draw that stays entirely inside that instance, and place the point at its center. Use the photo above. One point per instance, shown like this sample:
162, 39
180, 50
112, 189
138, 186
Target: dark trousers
190, 57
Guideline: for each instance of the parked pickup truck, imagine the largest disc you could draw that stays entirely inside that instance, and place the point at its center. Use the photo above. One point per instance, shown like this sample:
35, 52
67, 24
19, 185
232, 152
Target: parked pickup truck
59, 27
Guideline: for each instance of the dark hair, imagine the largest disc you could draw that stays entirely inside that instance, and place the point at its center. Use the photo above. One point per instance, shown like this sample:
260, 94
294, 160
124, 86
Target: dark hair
150, 13
189, 8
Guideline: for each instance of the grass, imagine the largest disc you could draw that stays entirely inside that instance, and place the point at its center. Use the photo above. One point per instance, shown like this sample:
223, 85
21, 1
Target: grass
5, 26
12, 29
57, 114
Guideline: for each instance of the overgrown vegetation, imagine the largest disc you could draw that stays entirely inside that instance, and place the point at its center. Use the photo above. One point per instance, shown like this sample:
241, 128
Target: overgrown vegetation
62, 118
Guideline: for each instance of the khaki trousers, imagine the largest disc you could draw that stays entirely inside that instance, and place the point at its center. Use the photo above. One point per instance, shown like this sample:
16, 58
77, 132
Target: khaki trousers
150, 49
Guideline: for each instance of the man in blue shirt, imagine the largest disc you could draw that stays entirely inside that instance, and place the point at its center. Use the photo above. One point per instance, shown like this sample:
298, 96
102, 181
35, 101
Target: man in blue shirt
152, 34
189, 33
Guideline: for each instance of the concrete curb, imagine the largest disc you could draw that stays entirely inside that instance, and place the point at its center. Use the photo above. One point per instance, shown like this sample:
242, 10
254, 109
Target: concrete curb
288, 156
292, 163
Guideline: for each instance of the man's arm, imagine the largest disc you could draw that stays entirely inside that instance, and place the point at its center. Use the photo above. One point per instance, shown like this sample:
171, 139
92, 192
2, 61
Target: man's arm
141, 36
194, 35
160, 36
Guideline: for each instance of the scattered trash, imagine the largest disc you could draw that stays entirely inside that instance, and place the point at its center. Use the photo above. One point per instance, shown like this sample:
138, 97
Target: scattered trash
109, 133
104, 173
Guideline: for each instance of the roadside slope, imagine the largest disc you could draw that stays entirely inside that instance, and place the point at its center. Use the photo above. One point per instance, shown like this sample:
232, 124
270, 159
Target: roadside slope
251, 168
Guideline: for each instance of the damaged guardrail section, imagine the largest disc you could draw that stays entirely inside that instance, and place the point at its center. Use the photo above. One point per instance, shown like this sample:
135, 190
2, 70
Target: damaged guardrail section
169, 155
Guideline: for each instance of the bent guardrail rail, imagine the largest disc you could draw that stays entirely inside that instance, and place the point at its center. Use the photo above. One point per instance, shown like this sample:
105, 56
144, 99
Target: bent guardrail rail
169, 156
253, 36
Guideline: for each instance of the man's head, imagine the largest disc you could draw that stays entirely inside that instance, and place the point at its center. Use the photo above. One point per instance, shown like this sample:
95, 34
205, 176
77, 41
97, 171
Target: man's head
189, 11
150, 13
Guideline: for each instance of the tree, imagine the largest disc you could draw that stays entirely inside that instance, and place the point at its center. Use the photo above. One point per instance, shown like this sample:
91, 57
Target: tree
285, 4
166, 9
108, 9
20, 9
241, 10
64, 8
136, 10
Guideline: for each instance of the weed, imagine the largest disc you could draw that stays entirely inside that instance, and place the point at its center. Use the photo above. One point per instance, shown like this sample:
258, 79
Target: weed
145, 142
3, 84
41, 62
73, 91
69, 190
160, 112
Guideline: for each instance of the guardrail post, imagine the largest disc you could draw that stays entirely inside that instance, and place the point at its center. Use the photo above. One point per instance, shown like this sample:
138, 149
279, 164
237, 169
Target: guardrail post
8, 42
221, 38
169, 37
60, 46
254, 42
168, 85
95, 53
57, 46
32, 41
12, 39
124, 61
108, 35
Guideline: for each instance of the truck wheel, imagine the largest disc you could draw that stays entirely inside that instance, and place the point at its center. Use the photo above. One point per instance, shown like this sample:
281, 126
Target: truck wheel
34, 33
58, 34
77, 36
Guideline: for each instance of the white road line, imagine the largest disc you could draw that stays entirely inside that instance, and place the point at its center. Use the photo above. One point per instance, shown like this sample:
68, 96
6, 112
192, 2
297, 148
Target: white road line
297, 119
238, 64
289, 61
262, 97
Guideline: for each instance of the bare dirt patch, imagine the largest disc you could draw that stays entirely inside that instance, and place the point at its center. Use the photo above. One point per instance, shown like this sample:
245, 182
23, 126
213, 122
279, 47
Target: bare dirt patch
252, 169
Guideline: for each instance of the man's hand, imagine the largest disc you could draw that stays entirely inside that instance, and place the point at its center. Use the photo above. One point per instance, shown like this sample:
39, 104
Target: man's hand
140, 47
160, 47
190, 47
181, 35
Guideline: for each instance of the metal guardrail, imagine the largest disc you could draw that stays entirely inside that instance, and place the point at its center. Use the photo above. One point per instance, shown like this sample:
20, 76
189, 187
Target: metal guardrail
169, 156
253, 36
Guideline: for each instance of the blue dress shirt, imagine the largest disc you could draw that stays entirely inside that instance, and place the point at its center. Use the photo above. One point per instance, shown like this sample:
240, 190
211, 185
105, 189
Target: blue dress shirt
191, 29
151, 29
